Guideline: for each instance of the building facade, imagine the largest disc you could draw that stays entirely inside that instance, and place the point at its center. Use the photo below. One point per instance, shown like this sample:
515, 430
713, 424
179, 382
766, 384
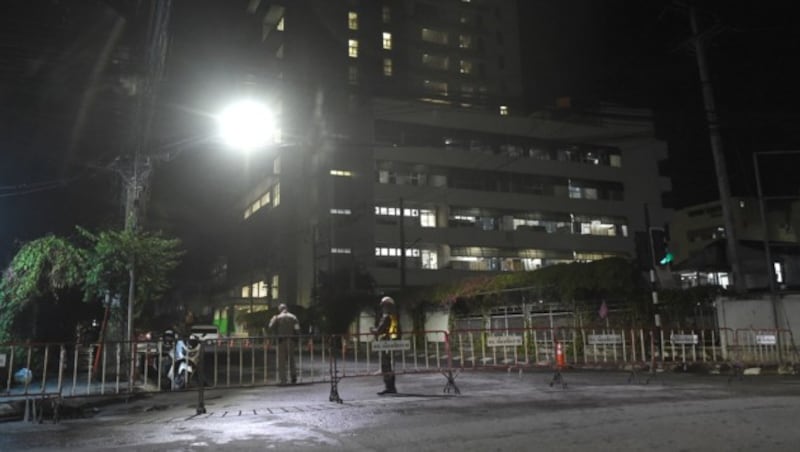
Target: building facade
697, 238
406, 155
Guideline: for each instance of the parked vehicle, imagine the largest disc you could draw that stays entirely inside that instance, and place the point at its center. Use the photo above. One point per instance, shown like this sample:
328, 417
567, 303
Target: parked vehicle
208, 334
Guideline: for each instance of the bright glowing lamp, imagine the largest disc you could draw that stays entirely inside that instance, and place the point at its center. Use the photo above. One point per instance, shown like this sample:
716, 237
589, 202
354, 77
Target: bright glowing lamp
246, 125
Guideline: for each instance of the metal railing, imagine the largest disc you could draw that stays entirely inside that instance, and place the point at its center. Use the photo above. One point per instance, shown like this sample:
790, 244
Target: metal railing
72, 370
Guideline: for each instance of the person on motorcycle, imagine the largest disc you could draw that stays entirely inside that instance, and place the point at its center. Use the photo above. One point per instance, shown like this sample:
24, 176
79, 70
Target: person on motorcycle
173, 361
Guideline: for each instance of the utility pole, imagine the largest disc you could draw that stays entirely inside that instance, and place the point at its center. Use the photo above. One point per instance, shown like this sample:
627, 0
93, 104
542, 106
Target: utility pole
155, 49
719, 157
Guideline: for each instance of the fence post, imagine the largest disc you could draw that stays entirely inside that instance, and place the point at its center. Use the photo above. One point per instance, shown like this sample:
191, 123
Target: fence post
201, 402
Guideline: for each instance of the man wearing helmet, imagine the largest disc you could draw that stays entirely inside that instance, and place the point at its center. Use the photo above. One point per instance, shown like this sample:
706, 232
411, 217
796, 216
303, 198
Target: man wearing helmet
388, 329
286, 327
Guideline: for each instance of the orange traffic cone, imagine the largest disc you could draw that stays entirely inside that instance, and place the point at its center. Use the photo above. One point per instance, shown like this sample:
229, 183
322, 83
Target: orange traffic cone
560, 362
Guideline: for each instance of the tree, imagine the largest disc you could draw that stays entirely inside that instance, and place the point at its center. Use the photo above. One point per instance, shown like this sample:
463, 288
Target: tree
52, 269
44, 268
564, 282
580, 285
110, 255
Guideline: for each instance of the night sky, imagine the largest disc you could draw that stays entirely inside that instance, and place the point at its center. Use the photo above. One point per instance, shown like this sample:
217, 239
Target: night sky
61, 123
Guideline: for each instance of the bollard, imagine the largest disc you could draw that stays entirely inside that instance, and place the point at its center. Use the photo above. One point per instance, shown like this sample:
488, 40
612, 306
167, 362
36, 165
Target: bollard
201, 402
334, 374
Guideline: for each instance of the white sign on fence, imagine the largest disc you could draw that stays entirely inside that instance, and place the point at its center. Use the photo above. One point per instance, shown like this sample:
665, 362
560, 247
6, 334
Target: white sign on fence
2, 360
684, 339
766, 339
391, 346
604, 339
504, 341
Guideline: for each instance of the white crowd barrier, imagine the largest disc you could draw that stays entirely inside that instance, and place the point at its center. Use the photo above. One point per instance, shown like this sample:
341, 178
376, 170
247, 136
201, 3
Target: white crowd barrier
89, 370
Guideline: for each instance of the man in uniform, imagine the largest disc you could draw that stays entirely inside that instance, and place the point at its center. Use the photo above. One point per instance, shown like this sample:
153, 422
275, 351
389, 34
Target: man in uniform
286, 328
388, 329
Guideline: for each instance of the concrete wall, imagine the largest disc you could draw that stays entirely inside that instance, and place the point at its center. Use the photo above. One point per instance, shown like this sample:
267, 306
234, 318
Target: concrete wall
757, 313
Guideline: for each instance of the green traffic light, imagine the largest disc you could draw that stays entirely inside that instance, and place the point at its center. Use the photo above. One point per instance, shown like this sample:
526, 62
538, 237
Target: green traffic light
666, 259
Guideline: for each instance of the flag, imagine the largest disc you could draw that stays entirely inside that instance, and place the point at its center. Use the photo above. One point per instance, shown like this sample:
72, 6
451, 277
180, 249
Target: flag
603, 310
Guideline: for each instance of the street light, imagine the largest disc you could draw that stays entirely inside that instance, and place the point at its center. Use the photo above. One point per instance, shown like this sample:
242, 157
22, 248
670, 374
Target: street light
247, 125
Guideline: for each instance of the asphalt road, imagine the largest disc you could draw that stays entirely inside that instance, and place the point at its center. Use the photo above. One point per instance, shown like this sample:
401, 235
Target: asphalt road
496, 411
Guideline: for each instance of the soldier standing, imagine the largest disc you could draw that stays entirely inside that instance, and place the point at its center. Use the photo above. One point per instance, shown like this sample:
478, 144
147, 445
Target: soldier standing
285, 327
388, 329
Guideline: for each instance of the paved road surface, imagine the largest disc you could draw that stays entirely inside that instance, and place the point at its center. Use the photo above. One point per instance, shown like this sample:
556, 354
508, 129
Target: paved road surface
496, 411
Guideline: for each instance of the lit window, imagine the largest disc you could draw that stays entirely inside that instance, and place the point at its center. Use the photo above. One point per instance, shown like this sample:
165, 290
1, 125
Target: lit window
275, 280
341, 211
352, 20
387, 41
387, 67
280, 25
429, 260
245, 291
343, 173
464, 218
387, 14
503, 110
262, 290
397, 252
248, 212
778, 268
265, 199
254, 290
395, 212
341, 251
256, 205
427, 219
276, 195
465, 67
352, 48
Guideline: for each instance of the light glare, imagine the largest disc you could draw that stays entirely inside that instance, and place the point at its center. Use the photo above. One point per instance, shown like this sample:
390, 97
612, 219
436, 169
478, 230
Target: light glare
246, 125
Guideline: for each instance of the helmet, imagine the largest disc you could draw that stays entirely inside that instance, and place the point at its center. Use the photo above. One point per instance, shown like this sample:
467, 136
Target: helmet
387, 301
194, 341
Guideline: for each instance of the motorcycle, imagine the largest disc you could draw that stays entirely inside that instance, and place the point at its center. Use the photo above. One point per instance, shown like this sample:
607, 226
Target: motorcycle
179, 359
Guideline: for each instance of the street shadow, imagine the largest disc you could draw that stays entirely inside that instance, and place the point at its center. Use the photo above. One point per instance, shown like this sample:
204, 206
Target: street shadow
411, 394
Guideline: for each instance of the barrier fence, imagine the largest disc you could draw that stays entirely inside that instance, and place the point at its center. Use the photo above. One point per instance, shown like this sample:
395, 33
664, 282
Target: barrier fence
68, 370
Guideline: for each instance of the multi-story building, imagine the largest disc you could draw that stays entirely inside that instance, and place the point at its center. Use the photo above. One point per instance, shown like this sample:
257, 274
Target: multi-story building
406, 154
697, 239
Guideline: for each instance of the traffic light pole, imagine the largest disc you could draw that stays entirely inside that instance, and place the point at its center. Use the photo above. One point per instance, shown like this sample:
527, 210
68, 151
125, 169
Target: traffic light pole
656, 322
